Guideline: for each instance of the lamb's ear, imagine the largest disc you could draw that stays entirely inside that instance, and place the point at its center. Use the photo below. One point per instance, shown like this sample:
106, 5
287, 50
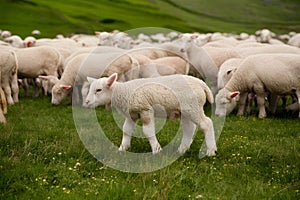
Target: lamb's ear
112, 79
44, 78
234, 94
90, 79
66, 87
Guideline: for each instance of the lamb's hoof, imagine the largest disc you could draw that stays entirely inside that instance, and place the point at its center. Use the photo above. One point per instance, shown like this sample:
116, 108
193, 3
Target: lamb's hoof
123, 148
211, 152
156, 150
182, 150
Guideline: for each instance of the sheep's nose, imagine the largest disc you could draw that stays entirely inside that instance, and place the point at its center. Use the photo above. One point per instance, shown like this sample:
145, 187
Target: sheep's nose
87, 101
182, 50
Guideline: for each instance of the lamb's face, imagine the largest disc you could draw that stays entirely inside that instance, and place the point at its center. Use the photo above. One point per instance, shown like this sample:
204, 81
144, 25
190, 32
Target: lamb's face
99, 93
225, 102
59, 93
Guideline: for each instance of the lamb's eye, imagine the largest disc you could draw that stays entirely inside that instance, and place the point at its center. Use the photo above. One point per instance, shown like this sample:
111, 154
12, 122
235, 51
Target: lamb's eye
98, 90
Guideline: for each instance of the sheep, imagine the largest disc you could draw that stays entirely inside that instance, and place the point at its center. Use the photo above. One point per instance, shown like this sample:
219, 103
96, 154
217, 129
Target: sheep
86, 64
5, 34
295, 40
9, 79
29, 41
275, 73
171, 96
15, 41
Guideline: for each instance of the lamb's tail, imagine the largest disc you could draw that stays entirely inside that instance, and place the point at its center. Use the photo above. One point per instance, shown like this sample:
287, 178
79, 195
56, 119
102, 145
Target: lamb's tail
208, 92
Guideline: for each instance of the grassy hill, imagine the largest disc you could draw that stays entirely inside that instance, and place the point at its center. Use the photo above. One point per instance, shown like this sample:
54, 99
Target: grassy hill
77, 16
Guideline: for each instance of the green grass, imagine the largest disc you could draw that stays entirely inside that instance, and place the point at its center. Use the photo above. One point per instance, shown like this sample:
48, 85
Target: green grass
42, 157
76, 16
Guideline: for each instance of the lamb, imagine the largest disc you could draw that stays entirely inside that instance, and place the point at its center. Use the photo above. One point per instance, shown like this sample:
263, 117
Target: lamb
171, 96
46, 61
146, 68
84, 65
275, 73
295, 40
9, 79
15, 41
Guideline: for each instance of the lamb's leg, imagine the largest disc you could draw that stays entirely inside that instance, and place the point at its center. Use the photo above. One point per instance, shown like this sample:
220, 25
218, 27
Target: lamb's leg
273, 102
242, 103
15, 88
206, 125
250, 97
298, 95
147, 118
128, 127
188, 128
7, 90
261, 105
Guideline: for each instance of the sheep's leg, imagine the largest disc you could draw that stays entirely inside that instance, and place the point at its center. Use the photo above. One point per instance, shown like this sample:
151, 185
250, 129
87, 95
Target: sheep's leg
147, 118
250, 102
206, 125
36, 87
188, 128
128, 127
25, 86
15, 88
7, 90
242, 103
273, 102
298, 95
261, 105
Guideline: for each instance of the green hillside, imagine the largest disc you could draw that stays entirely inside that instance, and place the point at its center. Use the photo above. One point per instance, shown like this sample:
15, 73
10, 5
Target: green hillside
82, 16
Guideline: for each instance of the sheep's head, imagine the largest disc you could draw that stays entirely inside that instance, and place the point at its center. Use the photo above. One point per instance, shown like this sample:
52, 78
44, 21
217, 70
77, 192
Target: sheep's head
100, 92
225, 102
59, 93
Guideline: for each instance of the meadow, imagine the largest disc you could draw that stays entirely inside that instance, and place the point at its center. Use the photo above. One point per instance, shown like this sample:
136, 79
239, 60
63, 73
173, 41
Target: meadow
76, 16
42, 157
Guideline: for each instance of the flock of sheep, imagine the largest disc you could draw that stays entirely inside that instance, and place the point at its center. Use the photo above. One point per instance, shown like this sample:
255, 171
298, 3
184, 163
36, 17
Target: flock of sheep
237, 67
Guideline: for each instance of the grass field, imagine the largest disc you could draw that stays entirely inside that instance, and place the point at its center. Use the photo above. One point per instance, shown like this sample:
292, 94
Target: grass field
76, 16
42, 157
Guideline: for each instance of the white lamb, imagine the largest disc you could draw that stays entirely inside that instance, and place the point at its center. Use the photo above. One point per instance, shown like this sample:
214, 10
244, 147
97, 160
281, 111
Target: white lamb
295, 40
171, 96
275, 73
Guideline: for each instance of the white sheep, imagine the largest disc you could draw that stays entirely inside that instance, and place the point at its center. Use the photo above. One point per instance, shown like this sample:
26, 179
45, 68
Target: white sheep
15, 41
175, 96
295, 40
275, 73
88, 64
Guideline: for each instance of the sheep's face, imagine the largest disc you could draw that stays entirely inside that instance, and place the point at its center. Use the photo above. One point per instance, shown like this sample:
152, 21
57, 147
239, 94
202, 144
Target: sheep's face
59, 93
100, 92
225, 102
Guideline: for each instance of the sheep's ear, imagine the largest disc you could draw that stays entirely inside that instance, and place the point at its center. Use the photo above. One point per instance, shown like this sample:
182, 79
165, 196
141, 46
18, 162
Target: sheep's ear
66, 87
90, 80
112, 79
234, 94
44, 78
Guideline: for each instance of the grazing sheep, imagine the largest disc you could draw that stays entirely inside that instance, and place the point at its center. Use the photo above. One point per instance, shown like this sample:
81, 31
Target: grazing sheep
15, 41
275, 73
175, 96
295, 40
86, 64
